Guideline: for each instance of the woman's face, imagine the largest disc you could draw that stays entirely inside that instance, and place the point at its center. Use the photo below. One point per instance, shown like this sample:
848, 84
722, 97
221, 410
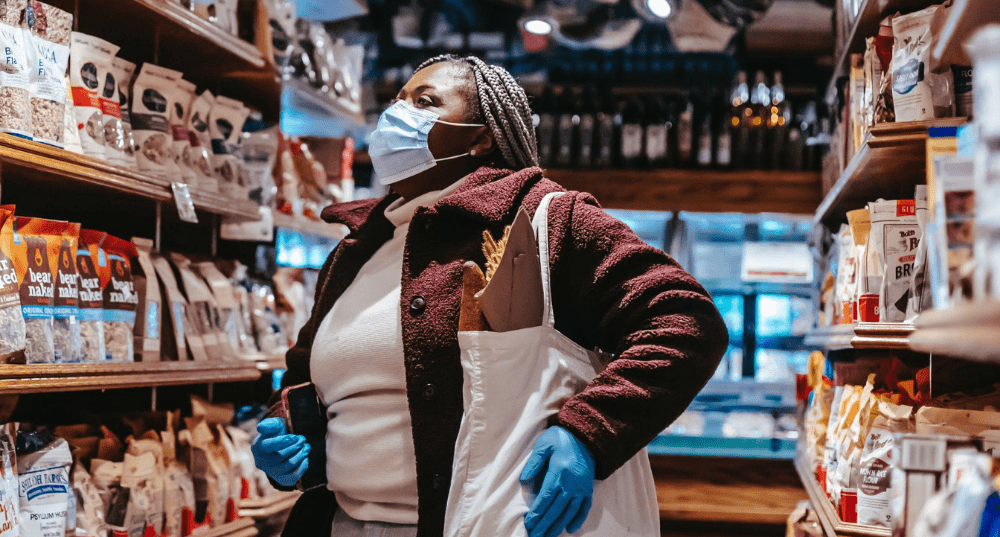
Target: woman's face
440, 88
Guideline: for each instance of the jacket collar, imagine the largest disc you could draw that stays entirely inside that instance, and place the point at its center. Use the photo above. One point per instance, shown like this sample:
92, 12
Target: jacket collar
489, 194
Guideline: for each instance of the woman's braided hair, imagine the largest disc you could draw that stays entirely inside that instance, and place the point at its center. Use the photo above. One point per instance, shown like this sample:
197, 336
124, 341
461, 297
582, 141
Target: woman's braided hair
501, 102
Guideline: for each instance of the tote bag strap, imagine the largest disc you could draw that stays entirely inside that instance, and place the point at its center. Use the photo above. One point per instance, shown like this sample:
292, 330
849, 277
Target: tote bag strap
540, 223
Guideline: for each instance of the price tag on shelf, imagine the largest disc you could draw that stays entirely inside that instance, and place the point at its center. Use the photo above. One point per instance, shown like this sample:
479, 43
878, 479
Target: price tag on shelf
185, 205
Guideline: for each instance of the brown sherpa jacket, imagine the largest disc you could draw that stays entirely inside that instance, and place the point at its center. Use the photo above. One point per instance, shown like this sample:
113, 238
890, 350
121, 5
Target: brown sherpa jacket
610, 290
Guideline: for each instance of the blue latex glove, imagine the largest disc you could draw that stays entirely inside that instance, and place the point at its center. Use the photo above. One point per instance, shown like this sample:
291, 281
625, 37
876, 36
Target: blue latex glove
561, 471
283, 457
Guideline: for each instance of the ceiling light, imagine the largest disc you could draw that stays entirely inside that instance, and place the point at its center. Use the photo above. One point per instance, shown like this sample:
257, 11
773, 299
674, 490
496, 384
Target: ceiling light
660, 8
537, 27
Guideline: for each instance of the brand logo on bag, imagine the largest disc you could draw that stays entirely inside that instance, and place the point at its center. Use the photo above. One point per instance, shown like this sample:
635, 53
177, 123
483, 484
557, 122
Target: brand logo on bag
908, 76
874, 477
906, 208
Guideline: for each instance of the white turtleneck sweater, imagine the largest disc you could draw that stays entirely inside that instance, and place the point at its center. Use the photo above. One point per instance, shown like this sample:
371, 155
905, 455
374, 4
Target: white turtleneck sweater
357, 367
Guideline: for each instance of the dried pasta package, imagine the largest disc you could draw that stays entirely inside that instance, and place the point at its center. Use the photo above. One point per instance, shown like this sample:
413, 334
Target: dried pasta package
150, 119
43, 464
179, 99
123, 71
12, 329
15, 83
201, 156
92, 268
225, 128
50, 34
119, 300
36, 251
66, 314
149, 308
116, 144
9, 483
228, 320
89, 58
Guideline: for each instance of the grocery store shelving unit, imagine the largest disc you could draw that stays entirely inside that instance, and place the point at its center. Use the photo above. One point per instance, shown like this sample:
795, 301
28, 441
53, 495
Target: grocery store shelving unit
42, 378
828, 518
965, 18
968, 331
269, 506
836, 337
886, 336
699, 190
241, 527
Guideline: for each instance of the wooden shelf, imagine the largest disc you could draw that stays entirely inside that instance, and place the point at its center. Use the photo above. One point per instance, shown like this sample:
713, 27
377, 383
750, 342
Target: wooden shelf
862, 336
265, 362
834, 337
40, 378
746, 191
25, 159
889, 165
312, 227
965, 18
241, 527
269, 506
969, 331
828, 518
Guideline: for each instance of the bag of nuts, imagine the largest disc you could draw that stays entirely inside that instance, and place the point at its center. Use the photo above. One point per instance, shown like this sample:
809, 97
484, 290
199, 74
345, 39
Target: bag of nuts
179, 100
89, 60
124, 70
225, 128
117, 146
50, 35
150, 119
197, 126
15, 110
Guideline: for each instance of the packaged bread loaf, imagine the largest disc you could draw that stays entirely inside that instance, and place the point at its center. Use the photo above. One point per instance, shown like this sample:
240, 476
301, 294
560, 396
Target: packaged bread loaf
15, 108
50, 35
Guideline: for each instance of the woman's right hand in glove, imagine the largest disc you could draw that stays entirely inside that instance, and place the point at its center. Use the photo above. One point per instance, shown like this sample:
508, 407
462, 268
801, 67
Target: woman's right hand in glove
283, 457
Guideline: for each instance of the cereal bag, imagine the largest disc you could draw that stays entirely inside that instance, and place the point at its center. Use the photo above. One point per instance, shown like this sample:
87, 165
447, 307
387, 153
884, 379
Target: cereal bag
120, 300
15, 107
50, 38
37, 244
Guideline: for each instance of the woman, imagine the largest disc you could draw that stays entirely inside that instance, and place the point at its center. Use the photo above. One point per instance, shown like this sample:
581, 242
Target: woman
381, 346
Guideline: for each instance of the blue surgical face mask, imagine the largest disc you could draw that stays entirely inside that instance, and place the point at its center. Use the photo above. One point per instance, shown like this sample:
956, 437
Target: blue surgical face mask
398, 146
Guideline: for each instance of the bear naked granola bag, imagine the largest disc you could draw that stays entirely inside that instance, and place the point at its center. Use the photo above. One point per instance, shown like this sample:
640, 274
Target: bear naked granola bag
12, 330
37, 244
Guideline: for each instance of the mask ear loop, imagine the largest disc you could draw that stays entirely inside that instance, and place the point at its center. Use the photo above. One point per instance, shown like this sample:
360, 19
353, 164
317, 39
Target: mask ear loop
460, 124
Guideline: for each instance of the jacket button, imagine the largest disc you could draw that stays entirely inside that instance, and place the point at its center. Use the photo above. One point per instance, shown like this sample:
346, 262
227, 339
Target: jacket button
429, 391
417, 305
439, 482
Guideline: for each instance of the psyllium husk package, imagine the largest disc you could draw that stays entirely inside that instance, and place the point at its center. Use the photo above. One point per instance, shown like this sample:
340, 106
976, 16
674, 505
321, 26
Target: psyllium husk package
201, 154
92, 271
9, 483
116, 144
89, 58
119, 300
149, 308
50, 37
892, 249
123, 71
66, 315
150, 119
45, 492
225, 128
878, 460
922, 89
179, 101
12, 329
37, 245
15, 107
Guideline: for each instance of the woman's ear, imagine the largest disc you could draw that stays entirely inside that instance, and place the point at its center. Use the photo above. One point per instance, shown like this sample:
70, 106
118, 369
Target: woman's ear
483, 145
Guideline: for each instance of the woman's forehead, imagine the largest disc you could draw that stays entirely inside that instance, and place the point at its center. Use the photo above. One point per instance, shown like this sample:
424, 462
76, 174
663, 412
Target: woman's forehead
443, 76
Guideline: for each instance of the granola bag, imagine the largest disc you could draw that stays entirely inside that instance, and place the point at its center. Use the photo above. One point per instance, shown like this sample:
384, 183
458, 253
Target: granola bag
9, 483
179, 99
877, 462
43, 472
149, 308
116, 143
120, 300
225, 129
12, 329
71, 135
37, 244
15, 83
123, 71
892, 248
150, 119
201, 157
921, 88
92, 268
66, 315
50, 37
89, 58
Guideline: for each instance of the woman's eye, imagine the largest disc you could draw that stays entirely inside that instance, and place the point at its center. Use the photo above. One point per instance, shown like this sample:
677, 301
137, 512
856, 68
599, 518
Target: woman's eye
425, 101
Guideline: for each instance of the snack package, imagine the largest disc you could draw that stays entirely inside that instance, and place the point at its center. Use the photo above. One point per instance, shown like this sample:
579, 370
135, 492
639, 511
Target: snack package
828, 464
877, 462
960, 507
66, 315
154, 474
818, 419
210, 471
107, 479
12, 329
93, 272
864, 307
184, 339
123, 71
89, 58
120, 300
892, 247
267, 326
43, 472
201, 306
178, 494
963, 90
873, 79
846, 274
71, 135
179, 104
921, 89
258, 152
15, 83
149, 308
117, 146
89, 507
9, 483
37, 245
244, 461
953, 229
228, 319
139, 477
225, 128
50, 38
150, 119
920, 288
849, 403
201, 157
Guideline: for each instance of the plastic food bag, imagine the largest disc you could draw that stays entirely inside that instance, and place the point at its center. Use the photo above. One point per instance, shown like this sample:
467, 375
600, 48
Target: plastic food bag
89, 507
123, 71
878, 461
12, 329
150, 479
225, 128
66, 316
15, 107
117, 146
9, 483
120, 300
892, 247
201, 157
150, 123
921, 89
179, 101
89, 58
92, 268
43, 471
50, 39
149, 309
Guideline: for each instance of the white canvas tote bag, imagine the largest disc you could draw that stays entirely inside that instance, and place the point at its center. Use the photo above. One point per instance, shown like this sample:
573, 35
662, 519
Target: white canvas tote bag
514, 382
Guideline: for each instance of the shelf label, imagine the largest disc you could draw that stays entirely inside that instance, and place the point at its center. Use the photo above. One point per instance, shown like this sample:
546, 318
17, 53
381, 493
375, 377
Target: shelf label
185, 205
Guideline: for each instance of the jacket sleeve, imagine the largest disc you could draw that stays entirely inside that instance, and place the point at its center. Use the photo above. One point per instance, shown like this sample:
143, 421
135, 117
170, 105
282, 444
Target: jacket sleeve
661, 326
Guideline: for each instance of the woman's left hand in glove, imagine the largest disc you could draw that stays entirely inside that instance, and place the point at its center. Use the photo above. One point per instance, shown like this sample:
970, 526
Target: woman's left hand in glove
561, 471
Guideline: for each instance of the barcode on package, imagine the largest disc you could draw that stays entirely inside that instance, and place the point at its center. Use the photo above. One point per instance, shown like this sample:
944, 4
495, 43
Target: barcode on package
927, 455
